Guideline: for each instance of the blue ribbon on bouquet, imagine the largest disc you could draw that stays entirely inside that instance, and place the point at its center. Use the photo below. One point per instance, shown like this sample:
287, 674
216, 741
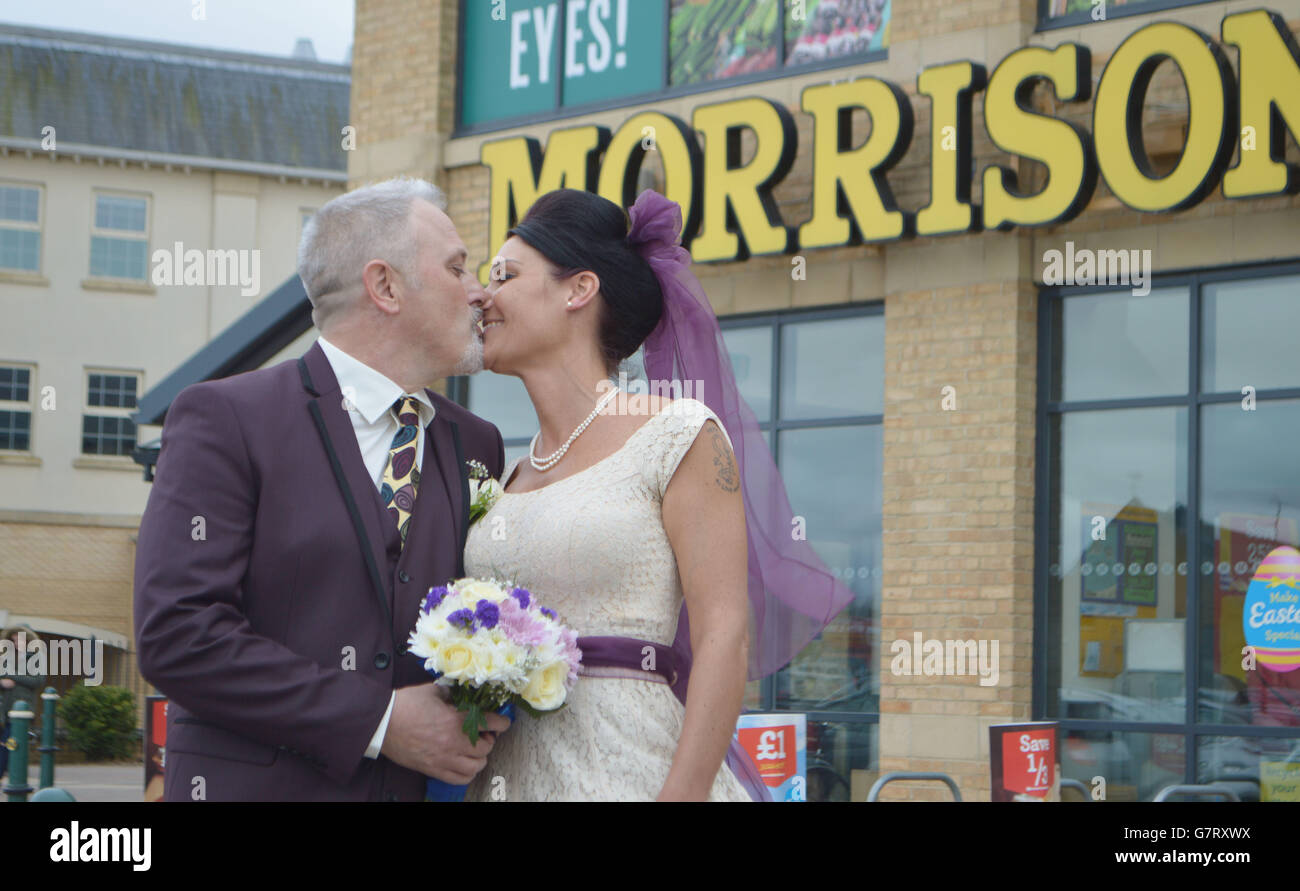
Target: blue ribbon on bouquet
437, 790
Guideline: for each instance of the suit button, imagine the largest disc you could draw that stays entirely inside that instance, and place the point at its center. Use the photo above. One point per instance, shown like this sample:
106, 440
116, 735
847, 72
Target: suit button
392, 796
402, 576
403, 649
381, 660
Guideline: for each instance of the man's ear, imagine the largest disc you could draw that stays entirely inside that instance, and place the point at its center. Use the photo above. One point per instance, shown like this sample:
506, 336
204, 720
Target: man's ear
583, 288
380, 282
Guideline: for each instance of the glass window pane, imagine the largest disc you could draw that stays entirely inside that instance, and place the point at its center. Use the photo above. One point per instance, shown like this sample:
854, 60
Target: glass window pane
1255, 768
1249, 331
1250, 504
1115, 345
1117, 571
116, 212
751, 358
1135, 765
117, 257
20, 204
20, 249
841, 760
833, 478
833, 368
502, 399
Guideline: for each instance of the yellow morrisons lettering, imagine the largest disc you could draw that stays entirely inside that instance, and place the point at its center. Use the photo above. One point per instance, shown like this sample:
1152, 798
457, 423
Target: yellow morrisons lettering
728, 208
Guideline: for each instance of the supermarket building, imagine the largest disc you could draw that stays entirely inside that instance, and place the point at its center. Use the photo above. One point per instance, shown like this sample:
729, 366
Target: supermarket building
959, 398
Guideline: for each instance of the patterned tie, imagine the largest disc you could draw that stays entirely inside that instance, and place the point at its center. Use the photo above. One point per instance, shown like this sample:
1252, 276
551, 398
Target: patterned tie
401, 476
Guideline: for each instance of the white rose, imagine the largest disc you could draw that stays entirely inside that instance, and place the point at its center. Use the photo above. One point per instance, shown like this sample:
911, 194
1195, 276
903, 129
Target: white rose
545, 690
473, 591
455, 660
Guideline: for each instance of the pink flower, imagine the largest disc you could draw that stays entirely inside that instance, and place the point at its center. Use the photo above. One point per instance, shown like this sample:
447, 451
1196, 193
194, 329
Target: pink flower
520, 626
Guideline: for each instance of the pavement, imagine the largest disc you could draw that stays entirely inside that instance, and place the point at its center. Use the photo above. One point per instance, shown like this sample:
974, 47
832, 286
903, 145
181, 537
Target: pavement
94, 782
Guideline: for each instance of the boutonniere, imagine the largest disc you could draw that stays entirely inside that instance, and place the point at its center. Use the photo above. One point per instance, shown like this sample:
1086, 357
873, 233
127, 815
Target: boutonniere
483, 490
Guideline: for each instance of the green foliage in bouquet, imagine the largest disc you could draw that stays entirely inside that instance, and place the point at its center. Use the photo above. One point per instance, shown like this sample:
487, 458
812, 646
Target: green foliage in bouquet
100, 721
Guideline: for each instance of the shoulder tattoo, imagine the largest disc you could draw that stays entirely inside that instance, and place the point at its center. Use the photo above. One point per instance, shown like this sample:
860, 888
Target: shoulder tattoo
728, 478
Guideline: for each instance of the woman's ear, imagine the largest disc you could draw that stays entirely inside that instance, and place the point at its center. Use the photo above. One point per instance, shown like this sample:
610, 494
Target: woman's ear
583, 288
379, 281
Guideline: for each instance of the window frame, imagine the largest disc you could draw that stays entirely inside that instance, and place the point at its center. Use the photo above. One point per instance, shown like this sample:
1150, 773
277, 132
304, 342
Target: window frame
108, 411
38, 227
1084, 16
145, 235
1192, 728
775, 425
560, 111
29, 406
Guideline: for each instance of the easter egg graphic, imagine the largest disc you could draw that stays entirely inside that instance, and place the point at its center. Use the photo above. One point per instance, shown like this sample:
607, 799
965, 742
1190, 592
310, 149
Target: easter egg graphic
1271, 613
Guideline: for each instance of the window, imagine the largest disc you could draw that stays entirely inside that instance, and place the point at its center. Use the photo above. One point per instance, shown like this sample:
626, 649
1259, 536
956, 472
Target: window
521, 60
16, 408
816, 384
106, 426
119, 240
20, 227
1168, 425
1072, 13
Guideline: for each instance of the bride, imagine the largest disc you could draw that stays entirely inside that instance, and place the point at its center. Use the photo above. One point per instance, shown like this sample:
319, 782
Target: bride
628, 514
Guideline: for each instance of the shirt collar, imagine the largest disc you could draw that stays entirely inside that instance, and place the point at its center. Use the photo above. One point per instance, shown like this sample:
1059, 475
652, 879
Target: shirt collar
372, 393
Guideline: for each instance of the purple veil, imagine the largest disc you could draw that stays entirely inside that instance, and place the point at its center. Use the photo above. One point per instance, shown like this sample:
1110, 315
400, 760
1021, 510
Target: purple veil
792, 595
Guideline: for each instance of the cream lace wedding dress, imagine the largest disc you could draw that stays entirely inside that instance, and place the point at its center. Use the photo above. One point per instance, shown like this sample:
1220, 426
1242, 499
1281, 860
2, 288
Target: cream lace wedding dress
592, 547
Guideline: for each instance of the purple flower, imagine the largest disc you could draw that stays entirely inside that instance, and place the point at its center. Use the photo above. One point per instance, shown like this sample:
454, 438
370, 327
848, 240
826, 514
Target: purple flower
487, 614
433, 598
463, 618
549, 613
521, 594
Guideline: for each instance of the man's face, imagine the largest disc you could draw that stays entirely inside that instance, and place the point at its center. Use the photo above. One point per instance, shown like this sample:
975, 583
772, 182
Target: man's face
444, 294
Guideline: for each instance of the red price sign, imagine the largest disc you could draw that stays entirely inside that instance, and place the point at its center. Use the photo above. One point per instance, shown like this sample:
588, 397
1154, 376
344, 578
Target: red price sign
773, 751
1028, 762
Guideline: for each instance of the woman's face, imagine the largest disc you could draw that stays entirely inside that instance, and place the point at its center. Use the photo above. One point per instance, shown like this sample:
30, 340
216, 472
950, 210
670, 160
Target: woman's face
524, 315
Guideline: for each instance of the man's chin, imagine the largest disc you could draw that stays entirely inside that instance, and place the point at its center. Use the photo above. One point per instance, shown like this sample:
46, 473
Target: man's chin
471, 361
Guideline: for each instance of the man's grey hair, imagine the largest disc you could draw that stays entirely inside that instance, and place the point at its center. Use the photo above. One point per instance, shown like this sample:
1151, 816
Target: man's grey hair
368, 223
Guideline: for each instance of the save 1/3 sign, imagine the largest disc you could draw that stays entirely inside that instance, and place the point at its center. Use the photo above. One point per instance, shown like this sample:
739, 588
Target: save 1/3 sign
777, 744
516, 53
1023, 760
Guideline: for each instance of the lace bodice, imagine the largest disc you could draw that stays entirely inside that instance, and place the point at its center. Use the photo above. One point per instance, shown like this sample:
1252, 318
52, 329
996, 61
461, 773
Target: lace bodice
592, 547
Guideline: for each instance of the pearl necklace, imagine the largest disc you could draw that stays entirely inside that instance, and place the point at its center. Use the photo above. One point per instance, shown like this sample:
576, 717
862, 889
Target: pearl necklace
543, 464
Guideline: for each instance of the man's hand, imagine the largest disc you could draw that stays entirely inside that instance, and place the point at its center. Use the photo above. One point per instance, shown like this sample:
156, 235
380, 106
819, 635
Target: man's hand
424, 734
7, 683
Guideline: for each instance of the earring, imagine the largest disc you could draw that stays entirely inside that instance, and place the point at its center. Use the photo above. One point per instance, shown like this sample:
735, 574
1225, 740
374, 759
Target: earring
568, 303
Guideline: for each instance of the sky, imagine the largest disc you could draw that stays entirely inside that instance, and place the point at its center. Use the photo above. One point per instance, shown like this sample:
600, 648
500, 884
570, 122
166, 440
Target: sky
266, 27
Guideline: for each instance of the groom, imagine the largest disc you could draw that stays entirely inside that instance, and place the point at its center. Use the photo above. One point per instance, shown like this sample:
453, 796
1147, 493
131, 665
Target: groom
300, 513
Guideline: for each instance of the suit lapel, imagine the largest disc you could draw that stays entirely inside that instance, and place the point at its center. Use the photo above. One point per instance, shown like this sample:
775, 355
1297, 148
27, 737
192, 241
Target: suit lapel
444, 440
325, 404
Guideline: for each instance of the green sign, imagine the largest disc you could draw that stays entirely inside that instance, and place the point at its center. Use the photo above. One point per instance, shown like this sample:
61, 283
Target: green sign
521, 59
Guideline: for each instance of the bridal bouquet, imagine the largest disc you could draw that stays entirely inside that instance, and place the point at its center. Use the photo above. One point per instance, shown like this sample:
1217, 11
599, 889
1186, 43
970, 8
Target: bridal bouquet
496, 648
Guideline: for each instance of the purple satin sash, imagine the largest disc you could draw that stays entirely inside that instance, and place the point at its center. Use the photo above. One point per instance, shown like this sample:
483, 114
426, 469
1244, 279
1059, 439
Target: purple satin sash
629, 654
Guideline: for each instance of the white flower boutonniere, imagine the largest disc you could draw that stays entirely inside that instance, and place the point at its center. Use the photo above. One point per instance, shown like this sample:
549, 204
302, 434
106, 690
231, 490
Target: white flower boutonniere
483, 490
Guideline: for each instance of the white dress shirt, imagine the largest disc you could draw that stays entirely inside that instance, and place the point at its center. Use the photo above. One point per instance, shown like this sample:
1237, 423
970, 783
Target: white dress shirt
368, 398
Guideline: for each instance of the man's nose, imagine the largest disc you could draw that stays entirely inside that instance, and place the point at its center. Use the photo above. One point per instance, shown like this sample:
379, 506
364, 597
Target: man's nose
475, 293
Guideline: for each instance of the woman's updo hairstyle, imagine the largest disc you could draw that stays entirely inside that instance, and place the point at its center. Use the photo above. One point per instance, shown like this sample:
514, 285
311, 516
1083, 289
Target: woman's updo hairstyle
579, 231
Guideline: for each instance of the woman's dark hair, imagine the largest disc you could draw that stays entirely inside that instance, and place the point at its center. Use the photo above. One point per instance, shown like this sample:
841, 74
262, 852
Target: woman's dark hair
579, 231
